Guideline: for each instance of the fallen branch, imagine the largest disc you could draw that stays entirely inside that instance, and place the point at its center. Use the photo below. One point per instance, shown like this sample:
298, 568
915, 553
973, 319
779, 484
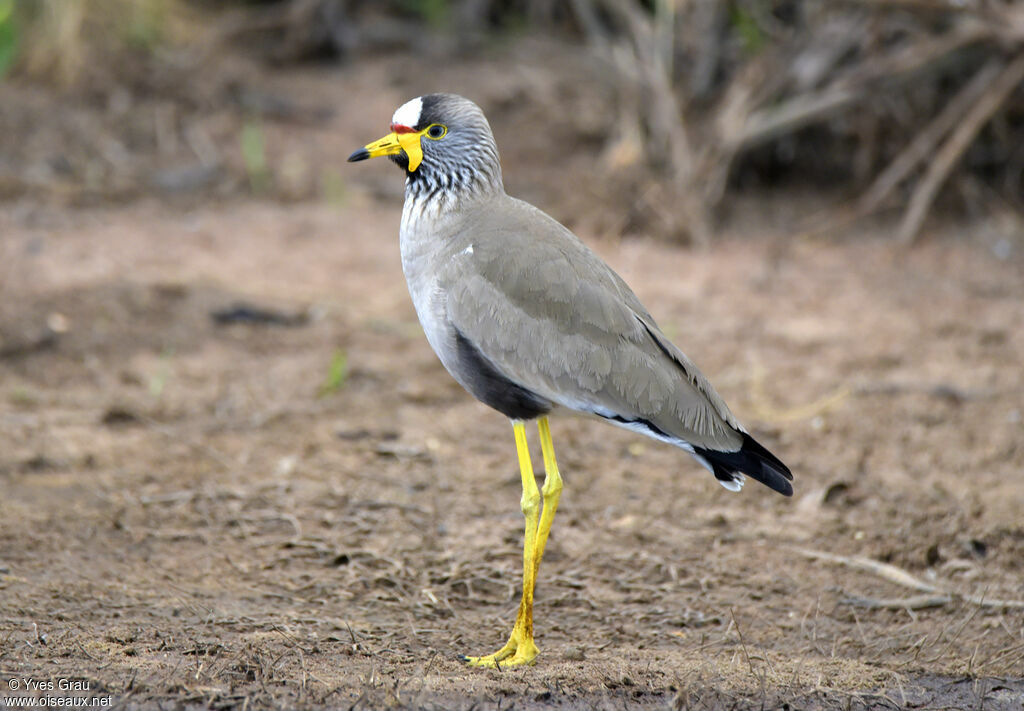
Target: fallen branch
901, 577
882, 570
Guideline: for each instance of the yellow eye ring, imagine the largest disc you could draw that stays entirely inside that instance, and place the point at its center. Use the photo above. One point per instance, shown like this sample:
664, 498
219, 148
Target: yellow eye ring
436, 131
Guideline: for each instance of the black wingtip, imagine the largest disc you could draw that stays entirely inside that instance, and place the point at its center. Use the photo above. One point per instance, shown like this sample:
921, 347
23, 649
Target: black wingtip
753, 460
776, 474
361, 154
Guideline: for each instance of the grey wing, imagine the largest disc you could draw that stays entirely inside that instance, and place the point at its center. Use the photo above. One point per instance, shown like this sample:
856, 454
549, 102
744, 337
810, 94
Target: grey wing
551, 317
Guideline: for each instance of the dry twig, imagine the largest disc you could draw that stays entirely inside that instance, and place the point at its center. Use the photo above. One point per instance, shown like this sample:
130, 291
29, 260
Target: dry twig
920, 148
915, 602
1008, 80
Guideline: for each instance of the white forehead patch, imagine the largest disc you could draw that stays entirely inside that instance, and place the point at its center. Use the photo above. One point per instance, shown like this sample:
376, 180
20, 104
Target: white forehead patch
408, 114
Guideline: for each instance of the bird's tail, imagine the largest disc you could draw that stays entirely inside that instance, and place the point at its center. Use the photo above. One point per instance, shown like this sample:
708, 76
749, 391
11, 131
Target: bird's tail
751, 459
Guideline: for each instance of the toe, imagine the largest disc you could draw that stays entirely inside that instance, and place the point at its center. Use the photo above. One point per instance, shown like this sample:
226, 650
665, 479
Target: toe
490, 661
504, 658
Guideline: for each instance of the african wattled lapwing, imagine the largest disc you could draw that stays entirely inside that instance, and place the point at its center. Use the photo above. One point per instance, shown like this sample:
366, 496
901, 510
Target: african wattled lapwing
530, 321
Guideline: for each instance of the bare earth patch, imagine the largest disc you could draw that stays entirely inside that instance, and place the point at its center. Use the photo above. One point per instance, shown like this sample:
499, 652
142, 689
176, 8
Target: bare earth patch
187, 516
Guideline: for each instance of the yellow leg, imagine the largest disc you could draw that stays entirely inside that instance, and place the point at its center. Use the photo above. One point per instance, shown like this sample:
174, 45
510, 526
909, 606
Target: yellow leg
552, 490
520, 648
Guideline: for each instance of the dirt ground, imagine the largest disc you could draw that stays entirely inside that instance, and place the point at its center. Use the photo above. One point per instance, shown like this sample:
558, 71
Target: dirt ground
197, 512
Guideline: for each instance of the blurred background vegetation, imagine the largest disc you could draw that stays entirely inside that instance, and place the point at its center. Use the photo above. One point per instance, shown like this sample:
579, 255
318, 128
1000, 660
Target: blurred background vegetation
887, 107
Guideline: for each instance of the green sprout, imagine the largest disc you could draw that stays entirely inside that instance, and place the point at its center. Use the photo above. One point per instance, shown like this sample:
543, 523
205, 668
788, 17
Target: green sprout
8, 36
158, 381
254, 153
336, 374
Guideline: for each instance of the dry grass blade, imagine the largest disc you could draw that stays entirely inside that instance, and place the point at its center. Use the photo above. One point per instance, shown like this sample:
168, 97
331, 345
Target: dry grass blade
766, 411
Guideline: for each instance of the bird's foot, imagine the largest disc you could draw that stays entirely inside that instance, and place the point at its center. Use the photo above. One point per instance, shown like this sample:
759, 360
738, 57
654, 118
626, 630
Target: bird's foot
518, 651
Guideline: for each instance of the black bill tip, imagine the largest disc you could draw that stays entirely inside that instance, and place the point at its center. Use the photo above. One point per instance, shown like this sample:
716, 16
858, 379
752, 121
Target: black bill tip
361, 154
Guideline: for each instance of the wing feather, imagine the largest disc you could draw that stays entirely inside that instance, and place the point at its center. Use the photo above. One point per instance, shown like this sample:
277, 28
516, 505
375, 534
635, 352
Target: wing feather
550, 315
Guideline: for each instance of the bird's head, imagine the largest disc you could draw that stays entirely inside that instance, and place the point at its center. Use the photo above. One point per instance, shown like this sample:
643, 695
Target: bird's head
440, 139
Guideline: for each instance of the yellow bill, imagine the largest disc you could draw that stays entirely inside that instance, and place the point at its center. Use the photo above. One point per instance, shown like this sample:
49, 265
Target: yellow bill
392, 144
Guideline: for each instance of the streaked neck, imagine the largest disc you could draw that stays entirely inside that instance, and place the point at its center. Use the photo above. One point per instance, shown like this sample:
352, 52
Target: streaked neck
432, 194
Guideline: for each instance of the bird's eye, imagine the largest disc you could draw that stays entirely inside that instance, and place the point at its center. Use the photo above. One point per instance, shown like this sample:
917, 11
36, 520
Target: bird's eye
437, 131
